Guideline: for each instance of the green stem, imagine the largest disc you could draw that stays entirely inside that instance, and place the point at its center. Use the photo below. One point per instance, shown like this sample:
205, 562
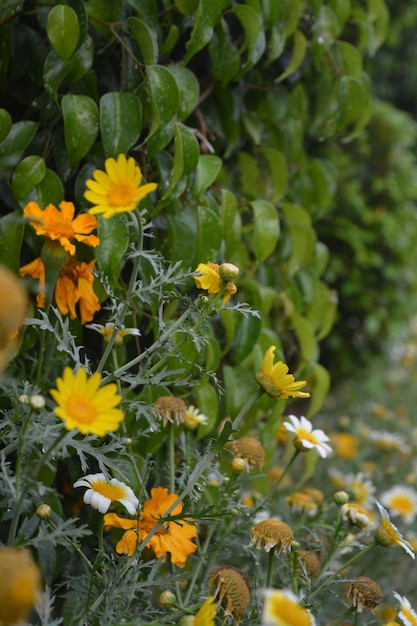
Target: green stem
344, 616
333, 546
246, 407
284, 473
348, 563
271, 558
100, 536
74, 546
41, 462
171, 457
129, 293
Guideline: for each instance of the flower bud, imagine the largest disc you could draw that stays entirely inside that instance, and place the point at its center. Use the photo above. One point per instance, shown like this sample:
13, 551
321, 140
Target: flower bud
341, 497
228, 271
37, 402
167, 599
44, 511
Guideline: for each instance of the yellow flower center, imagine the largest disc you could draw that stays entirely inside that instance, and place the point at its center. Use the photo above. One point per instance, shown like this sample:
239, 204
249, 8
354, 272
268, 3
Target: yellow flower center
287, 613
113, 492
122, 194
306, 436
402, 504
390, 532
81, 409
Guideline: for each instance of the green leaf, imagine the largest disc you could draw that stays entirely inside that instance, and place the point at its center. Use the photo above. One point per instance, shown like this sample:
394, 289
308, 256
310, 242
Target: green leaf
11, 237
14, 145
63, 30
120, 122
5, 124
187, 7
49, 190
254, 40
298, 54
279, 172
245, 338
207, 14
164, 95
81, 125
186, 153
146, 39
208, 168
229, 209
27, 174
209, 234
112, 248
240, 386
208, 404
290, 16
354, 100
350, 59
266, 229
305, 336
189, 89
379, 15
302, 237
319, 379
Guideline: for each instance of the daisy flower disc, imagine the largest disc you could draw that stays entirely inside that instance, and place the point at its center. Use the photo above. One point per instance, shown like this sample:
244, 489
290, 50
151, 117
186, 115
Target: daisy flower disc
102, 492
85, 406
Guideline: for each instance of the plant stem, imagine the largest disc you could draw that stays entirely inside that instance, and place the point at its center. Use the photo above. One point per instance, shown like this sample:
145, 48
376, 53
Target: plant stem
357, 556
271, 558
171, 458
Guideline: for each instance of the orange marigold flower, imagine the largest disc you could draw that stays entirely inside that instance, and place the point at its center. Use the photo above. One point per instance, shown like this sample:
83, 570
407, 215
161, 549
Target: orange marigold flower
73, 286
59, 224
173, 536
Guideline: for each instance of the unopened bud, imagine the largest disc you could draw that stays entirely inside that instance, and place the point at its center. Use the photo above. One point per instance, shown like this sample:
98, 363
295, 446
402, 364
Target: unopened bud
167, 599
238, 465
44, 511
341, 497
228, 271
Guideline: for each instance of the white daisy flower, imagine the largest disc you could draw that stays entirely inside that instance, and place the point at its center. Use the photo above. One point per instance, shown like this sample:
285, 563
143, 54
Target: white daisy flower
102, 492
193, 418
108, 329
401, 501
307, 438
407, 614
387, 534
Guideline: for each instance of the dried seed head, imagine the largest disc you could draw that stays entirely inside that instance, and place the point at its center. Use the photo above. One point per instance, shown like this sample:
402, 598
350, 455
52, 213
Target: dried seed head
309, 563
230, 588
170, 409
270, 533
363, 593
250, 450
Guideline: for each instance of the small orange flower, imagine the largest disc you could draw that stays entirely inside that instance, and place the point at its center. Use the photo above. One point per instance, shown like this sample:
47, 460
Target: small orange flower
74, 285
59, 224
172, 536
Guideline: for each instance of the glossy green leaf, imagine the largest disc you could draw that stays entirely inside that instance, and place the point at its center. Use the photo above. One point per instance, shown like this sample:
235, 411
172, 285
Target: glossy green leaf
249, 174
207, 14
240, 386
146, 39
350, 59
105, 12
266, 229
298, 54
290, 15
49, 190
14, 145
246, 337
120, 122
379, 16
319, 381
228, 210
209, 234
224, 54
207, 401
170, 40
279, 172
302, 237
113, 245
189, 90
182, 226
63, 30
354, 100
186, 153
81, 125
27, 174
187, 7
254, 40
208, 168
341, 8
306, 338
11, 237
81, 61
321, 311
5, 124
164, 95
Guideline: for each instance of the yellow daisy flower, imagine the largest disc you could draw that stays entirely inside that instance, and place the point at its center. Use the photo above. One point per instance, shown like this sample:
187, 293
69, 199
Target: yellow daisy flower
118, 189
206, 614
275, 380
82, 405
282, 608
20, 585
101, 493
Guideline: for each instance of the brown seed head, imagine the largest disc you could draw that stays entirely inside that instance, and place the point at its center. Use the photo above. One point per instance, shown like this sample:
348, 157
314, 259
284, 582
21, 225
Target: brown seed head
309, 564
270, 533
230, 588
250, 450
363, 593
170, 409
